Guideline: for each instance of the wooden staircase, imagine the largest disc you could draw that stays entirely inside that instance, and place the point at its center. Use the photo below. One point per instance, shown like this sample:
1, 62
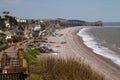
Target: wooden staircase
14, 62
13, 67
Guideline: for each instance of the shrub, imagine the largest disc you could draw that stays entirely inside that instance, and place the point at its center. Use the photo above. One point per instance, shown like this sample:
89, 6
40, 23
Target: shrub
31, 55
58, 69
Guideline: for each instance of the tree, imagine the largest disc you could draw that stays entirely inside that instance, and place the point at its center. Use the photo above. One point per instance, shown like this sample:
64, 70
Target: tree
6, 12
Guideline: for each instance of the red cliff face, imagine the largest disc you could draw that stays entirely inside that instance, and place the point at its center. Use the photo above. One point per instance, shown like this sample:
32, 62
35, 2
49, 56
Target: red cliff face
99, 23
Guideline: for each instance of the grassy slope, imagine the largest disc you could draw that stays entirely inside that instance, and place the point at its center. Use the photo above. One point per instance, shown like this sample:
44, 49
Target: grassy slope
57, 69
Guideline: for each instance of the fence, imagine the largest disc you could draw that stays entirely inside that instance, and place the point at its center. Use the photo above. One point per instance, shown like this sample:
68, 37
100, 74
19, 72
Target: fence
12, 76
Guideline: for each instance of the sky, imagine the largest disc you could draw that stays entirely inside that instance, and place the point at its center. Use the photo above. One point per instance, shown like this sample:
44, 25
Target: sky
88, 10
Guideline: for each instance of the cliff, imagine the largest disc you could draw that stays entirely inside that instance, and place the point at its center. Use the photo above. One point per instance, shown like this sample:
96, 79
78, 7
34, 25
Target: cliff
71, 23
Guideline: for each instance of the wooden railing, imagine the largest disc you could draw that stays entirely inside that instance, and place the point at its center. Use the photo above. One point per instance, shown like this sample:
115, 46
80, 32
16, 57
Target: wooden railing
12, 76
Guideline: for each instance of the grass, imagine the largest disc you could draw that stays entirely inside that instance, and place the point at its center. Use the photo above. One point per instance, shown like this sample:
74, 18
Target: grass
50, 68
31, 55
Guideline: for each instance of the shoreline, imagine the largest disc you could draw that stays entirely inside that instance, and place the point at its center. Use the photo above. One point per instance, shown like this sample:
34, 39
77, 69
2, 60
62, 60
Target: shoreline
75, 48
106, 61
103, 57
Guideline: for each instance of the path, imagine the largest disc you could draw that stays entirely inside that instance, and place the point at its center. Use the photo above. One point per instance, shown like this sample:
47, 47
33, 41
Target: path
12, 51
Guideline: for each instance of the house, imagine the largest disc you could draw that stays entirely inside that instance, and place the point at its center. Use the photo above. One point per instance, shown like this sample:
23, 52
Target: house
7, 24
8, 35
36, 31
21, 20
6, 21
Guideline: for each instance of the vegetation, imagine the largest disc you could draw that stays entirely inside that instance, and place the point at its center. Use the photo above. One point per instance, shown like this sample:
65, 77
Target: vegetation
2, 35
11, 20
3, 42
17, 38
72, 23
2, 24
31, 55
49, 68
44, 25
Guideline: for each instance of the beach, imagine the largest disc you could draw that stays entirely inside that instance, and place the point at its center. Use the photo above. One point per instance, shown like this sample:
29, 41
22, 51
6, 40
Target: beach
70, 45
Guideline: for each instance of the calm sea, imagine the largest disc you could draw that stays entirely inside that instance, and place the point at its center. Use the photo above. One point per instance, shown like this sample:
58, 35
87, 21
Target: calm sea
103, 41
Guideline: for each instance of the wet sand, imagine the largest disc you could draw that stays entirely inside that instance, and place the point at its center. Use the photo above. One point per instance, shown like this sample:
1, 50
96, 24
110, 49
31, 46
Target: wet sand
71, 46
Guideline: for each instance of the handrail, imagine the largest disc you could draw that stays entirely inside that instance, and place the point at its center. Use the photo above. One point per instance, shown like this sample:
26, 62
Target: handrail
12, 76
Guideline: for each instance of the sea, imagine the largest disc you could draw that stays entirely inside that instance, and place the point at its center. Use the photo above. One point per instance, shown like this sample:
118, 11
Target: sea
104, 41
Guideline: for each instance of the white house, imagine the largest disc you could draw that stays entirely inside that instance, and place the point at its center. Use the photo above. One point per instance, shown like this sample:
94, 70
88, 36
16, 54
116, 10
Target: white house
7, 24
8, 35
21, 20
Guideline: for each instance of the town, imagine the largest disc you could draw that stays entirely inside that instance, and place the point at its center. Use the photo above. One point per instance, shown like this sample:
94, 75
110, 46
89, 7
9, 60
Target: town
15, 36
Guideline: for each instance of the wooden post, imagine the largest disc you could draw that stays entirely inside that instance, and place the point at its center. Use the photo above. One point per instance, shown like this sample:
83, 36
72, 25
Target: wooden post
20, 56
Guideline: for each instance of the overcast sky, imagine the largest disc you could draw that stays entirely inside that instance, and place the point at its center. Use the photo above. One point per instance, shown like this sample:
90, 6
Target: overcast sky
89, 10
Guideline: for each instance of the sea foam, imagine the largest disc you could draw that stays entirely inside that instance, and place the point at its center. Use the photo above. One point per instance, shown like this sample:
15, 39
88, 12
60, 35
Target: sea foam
97, 48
